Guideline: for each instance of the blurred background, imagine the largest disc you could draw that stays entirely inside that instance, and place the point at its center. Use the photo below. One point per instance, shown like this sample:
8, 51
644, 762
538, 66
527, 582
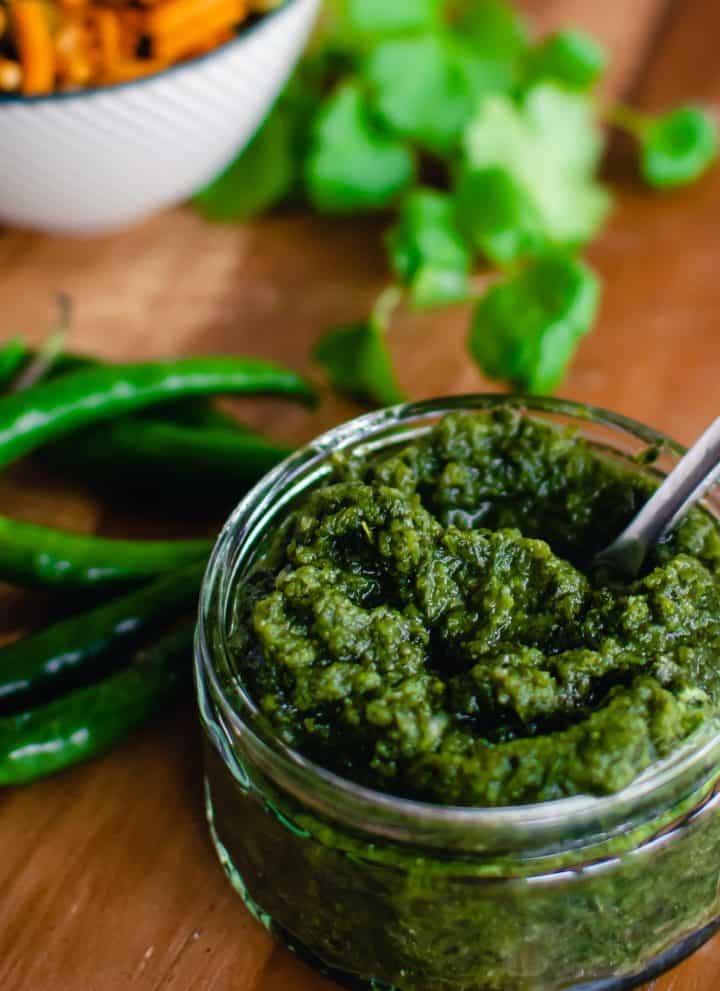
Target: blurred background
178, 283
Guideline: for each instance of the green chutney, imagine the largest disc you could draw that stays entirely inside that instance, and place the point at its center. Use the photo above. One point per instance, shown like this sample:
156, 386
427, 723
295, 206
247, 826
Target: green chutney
419, 614
427, 623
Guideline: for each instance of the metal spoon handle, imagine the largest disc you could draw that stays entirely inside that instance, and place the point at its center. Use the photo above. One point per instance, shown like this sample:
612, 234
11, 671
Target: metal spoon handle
684, 486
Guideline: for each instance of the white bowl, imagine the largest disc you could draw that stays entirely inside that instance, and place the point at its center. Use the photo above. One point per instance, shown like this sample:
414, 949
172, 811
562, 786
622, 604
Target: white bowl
94, 160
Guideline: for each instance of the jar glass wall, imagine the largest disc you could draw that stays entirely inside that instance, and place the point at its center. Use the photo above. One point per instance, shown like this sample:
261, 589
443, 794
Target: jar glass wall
583, 893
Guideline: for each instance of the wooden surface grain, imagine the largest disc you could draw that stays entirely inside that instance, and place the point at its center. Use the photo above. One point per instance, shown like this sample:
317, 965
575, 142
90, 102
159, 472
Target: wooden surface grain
107, 876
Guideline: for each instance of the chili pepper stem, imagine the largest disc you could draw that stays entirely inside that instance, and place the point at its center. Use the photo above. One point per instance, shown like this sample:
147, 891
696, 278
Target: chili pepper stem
50, 350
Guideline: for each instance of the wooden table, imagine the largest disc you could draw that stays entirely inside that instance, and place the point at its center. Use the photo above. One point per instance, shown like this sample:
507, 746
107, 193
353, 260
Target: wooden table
107, 874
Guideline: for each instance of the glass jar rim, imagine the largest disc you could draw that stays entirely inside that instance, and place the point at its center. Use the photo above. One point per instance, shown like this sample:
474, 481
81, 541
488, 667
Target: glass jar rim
391, 816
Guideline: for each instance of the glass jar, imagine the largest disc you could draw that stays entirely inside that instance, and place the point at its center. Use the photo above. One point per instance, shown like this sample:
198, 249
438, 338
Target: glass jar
593, 894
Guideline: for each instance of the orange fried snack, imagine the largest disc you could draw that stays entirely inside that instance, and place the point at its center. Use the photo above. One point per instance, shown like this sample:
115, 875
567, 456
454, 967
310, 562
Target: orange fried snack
36, 53
70, 44
179, 28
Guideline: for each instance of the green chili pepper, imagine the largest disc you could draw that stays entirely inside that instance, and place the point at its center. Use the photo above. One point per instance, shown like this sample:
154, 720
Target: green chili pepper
45, 660
38, 555
194, 412
154, 453
90, 720
187, 441
198, 411
51, 409
68, 362
13, 356
20, 359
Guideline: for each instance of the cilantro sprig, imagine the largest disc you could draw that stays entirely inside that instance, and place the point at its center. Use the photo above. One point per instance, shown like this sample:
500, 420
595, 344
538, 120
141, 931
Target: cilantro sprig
484, 145
356, 357
527, 327
549, 144
428, 253
676, 147
352, 164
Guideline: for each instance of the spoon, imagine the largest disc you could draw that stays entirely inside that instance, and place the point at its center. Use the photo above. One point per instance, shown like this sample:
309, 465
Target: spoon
686, 484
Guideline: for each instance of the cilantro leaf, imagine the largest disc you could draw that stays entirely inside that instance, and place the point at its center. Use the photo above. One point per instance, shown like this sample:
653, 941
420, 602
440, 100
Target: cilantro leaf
525, 330
497, 216
419, 90
493, 28
269, 170
356, 358
482, 74
678, 147
427, 252
571, 58
262, 176
385, 17
354, 27
352, 165
491, 41
550, 145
